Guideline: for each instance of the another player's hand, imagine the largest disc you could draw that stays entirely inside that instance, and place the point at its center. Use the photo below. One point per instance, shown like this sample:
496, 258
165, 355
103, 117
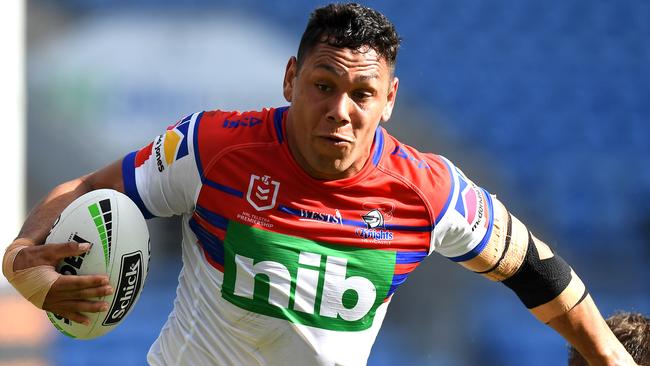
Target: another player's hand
70, 294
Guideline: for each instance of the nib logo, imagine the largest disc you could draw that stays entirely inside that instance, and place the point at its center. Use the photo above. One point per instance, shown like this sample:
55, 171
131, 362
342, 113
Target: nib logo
262, 192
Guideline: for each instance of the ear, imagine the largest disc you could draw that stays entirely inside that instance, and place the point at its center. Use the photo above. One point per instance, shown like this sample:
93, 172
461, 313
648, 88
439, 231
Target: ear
392, 94
289, 76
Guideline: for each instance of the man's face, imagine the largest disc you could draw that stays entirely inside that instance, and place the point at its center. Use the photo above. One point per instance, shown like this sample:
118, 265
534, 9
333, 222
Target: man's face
338, 97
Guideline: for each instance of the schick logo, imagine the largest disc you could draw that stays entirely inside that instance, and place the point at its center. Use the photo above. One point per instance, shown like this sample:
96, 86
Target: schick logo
262, 192
315, 284
127, 289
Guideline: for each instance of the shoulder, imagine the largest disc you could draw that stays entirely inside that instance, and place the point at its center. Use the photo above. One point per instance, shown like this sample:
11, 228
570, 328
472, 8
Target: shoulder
217, 131
432, 175
233, 127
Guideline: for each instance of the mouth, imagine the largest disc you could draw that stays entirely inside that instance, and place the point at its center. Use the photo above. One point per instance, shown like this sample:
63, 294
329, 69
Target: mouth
336, 139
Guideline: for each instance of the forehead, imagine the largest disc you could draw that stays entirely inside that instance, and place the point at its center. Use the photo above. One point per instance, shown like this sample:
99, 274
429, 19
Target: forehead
364, 62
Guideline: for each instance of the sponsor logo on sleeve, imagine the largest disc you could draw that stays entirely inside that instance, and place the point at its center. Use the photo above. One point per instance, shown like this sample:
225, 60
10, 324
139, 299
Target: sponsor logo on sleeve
472, 203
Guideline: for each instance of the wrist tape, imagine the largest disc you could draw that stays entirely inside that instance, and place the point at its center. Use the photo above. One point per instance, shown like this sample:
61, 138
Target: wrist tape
32, 283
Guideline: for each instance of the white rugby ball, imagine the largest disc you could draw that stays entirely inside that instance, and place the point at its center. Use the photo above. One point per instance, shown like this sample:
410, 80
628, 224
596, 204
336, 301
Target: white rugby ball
115, 227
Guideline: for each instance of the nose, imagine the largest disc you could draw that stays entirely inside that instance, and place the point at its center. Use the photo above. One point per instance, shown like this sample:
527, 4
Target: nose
339, 110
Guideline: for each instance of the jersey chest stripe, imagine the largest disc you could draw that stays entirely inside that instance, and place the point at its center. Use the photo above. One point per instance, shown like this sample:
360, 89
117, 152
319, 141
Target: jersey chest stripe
408, 228
212, 218
354, 223
451, 191
405, 263
481, 245
296, 212
405, 268
222, 188
212, 245
404, 257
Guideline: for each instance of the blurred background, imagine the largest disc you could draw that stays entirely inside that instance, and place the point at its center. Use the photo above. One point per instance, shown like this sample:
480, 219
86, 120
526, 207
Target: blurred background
545, 104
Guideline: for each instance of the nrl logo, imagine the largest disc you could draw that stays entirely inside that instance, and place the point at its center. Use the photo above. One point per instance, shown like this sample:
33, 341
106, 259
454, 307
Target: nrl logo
262, 192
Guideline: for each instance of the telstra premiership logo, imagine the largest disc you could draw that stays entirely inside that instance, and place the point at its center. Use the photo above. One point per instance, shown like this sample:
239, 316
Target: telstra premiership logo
262, 192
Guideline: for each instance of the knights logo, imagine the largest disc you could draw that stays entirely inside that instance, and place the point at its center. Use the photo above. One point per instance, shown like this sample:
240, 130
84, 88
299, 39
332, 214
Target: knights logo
374, 219
262, 192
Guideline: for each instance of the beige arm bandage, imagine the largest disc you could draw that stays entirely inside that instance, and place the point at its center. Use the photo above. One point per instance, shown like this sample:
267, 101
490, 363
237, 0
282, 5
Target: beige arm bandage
541, 279
33, 283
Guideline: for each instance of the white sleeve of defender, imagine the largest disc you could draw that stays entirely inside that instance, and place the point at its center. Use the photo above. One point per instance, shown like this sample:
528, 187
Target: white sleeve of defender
163, 178
465, 226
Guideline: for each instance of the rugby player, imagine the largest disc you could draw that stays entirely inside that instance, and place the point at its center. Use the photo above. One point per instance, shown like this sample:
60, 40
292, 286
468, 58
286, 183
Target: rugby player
300, 222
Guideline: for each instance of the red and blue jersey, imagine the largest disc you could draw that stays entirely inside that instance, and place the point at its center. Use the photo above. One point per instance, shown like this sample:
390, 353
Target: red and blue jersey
317, 261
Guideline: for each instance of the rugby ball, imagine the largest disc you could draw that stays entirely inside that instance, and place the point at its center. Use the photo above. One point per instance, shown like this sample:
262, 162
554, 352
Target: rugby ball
115, 227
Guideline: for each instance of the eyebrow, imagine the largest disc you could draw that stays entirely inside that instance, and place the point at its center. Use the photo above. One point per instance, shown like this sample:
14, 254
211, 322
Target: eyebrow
338, 72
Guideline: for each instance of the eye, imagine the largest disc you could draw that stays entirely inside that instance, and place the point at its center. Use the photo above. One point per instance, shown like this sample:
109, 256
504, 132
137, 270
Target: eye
323, 87
362, 95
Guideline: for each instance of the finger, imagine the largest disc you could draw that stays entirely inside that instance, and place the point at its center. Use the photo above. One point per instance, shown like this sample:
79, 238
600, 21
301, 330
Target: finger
54, 253
89, 292
75, 317
70, 282
85, 306
48, 254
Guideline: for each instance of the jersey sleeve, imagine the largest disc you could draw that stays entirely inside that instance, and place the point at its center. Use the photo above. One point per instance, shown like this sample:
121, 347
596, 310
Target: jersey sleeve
163, 178
464, 226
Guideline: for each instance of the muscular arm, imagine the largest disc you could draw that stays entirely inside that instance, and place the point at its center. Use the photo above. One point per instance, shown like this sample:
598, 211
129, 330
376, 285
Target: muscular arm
29, 265
548, 287
40, 219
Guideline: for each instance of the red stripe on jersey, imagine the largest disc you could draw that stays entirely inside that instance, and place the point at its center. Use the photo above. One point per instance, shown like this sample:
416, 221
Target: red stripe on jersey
405, 268
214, 264
219, 233
143, 155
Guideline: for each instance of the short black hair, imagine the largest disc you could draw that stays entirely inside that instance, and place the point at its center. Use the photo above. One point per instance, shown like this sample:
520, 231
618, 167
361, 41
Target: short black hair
351, 26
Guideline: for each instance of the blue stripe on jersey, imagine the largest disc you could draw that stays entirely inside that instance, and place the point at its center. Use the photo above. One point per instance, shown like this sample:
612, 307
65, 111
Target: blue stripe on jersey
379, 146
195, 142
222, 188
410, 257
398, 279
212, 245
451, 191
213, 218
182, 128
480, 246
424, 229
130, 188
354, 223
277, 122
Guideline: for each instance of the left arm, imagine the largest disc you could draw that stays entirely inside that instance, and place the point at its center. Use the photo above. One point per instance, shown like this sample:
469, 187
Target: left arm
548, 287
585, 329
